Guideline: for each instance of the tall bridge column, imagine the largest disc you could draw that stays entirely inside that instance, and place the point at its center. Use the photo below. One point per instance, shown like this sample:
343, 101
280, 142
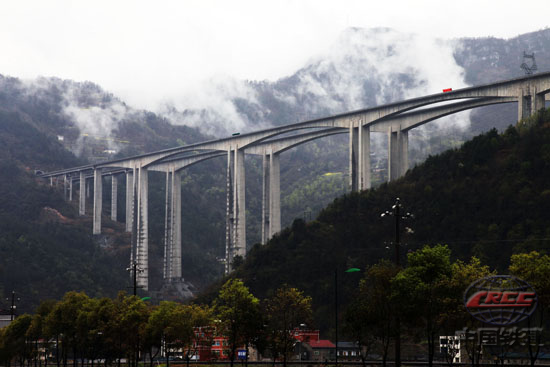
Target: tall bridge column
403, 152
98, 200
176, 227
168, 222
236, 222
265, 198
239, 204
172, 229
82, 195
229, 214
274, 194
70, 188
392, 155
398, 153
364, 157
359, 156
65, 187
114, 196
353, 156
129, 200
142, 228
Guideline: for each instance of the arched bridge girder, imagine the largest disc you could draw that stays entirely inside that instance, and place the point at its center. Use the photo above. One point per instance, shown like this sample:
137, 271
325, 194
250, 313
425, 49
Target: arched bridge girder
536, 85
178, 164
413, 119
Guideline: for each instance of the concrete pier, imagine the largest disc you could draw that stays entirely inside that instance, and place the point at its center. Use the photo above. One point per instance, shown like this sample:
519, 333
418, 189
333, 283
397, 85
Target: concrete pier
177, 250
275, 195
71, 188
82, 194
398, 153
236, 220
359, 156
353, 156
239, 207
129, 200
229, 214
98, 200
266, 193
364, 157
114, 197
142, 248
65, 187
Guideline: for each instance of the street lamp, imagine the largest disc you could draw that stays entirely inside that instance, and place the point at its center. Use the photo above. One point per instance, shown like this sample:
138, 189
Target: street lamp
134, 269
396, 213
12, 308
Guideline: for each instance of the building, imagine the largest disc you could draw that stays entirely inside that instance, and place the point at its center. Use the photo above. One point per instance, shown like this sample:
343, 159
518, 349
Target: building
319, 350
348, 351
5, 318
449, 346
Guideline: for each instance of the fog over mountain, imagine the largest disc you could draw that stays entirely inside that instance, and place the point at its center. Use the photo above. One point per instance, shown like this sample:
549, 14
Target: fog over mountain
363, 68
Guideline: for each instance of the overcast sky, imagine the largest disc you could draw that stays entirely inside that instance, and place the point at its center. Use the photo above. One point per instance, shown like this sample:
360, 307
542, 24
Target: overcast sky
145, 51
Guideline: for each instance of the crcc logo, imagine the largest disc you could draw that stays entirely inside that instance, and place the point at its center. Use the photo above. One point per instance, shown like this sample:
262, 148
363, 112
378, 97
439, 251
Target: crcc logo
500, 300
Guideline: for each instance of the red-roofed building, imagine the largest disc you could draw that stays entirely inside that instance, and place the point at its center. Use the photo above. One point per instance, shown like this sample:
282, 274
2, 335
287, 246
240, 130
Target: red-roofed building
318, 350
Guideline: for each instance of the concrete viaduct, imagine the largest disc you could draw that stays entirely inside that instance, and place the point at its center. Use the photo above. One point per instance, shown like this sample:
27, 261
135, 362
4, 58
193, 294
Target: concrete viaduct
394, 119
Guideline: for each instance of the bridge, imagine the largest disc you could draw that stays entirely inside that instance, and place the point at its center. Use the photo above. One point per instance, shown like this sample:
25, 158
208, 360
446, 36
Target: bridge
394, 119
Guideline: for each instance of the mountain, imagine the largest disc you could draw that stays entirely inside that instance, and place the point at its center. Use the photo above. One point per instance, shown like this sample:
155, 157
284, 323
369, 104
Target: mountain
487, 198
48, 124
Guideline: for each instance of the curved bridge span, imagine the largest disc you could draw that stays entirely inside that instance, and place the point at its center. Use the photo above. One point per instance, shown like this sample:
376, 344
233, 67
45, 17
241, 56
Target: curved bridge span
395, 119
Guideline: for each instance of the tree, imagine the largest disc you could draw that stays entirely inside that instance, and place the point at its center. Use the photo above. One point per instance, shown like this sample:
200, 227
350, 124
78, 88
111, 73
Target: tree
370, 318
15, 339
160, 329
455, 315
286, 311
422, 289
534, 268
239, 314
61, 322
131, 315
195, 331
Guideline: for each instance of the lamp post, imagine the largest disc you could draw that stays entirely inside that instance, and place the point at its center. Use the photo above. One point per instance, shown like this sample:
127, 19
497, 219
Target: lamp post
134, 269
396, 213
13, 306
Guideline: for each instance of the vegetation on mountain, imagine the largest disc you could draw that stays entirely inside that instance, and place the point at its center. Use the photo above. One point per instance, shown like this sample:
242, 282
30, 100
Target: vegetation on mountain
486, 199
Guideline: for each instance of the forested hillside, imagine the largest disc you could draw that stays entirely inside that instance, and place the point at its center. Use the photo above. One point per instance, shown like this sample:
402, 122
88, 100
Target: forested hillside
489, 199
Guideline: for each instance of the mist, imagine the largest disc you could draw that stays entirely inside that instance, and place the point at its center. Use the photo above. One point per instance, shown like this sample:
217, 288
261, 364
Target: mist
362, 68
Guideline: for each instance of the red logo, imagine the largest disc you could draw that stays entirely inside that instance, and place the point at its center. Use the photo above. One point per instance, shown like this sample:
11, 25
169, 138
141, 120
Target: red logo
500, 300
447, 90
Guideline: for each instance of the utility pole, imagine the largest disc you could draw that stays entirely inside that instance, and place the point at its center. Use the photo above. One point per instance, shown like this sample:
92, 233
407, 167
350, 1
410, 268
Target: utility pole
12, 308
135, 270
396, 212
